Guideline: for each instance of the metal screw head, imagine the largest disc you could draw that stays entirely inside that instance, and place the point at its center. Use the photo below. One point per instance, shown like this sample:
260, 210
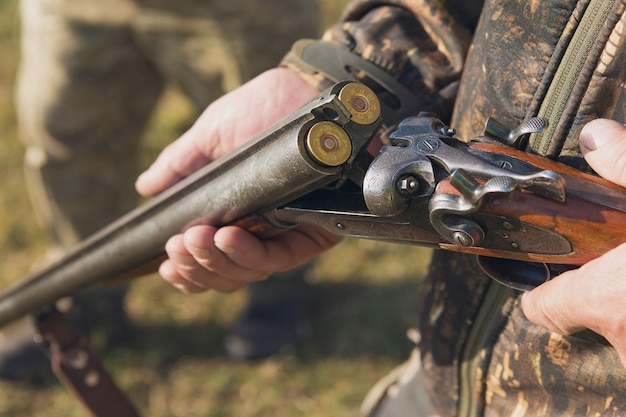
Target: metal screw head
427, 145
447, 131
505, 165
408, 184
462, 238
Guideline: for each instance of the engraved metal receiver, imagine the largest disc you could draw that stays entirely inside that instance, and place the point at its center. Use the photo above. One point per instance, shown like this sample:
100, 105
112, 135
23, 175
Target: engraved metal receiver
516, 211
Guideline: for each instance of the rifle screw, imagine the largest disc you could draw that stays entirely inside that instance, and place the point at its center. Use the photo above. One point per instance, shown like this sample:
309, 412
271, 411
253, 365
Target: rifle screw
340, 226
78, 360
505, 165
92, 379
408, 184
462, 238
427, 145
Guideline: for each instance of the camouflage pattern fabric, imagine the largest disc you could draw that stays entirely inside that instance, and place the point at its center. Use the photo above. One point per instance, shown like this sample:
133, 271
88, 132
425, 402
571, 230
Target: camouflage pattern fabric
476, 354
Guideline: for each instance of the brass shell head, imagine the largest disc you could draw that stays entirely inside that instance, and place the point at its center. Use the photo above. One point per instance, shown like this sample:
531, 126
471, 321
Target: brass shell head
361, 102
328, 144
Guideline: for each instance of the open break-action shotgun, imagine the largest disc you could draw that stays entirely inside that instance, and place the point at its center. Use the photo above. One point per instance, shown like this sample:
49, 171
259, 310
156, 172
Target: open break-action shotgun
516, 211
427, 188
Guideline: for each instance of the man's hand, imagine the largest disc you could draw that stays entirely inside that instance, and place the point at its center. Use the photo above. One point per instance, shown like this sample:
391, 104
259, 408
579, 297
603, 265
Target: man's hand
226, 259
592, 296
225, 125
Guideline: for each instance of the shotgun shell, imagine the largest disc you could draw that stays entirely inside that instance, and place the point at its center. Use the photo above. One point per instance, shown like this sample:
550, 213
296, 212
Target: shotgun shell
328, 144
361, 102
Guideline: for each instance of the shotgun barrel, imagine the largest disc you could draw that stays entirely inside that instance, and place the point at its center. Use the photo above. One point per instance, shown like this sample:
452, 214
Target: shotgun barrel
312, 147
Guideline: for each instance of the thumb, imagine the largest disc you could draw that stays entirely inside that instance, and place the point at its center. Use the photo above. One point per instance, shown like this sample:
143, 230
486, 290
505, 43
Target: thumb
603, 144
226, 124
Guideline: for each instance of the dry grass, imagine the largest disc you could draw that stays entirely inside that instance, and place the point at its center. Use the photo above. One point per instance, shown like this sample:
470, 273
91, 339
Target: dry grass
174, 365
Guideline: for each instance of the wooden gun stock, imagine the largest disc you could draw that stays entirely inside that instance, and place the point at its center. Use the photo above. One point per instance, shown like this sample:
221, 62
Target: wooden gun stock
592, 218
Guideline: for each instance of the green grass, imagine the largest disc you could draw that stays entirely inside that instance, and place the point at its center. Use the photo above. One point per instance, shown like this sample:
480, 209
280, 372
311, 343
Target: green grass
174, 365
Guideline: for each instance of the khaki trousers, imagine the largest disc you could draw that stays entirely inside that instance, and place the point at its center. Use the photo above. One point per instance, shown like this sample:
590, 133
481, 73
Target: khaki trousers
91, 75
401, 393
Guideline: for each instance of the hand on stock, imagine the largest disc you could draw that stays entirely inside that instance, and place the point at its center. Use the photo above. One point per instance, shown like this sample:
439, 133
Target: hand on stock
593, 295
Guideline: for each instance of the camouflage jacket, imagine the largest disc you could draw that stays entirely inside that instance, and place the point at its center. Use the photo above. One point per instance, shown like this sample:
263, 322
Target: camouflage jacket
467, 60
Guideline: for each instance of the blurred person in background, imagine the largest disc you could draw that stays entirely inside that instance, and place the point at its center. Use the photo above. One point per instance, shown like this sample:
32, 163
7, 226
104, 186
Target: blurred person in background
90, 78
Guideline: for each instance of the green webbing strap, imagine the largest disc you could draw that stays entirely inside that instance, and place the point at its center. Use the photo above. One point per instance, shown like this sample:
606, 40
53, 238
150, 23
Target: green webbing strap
572, 76
486, 320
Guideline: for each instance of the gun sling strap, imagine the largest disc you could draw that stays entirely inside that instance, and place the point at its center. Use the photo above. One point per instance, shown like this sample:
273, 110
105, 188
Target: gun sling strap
79, 368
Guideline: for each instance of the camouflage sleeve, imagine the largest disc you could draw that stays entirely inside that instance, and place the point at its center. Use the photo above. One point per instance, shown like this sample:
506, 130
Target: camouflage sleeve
419, 43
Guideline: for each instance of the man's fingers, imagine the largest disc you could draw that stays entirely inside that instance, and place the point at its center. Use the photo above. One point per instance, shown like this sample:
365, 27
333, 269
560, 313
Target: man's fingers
591, 296
193, 275
603, 143
281, 253
227, 123
169, 273
225, 259
176, 161
202, 242
556, 313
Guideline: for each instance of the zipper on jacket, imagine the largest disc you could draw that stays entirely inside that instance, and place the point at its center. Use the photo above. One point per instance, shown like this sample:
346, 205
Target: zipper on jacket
569, 69
552, 108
